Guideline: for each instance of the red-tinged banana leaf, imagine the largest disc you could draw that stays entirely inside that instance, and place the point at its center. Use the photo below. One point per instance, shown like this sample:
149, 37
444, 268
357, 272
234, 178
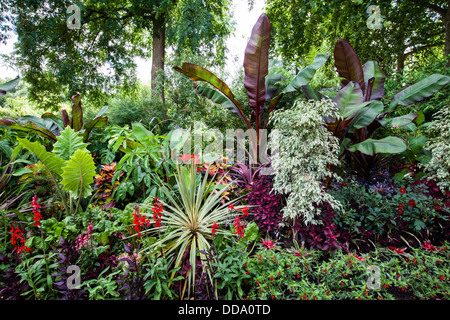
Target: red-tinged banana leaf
65, 118
29, 127
217, 97
400, 121
91, 124
372, 70
198, 73
366, 115
76, 122
419, 91
8, 86
385, 145
349, 99
348, 64
256, 66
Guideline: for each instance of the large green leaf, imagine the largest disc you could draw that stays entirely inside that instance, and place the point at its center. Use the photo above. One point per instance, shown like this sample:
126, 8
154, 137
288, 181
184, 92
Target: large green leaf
385, 145
97, 122
8, 86
48, 159
273, 78
366, 115
142, 134
416, 143
306, 74
372, 70
68, 142
400, 121
419, 91
78, 174
349, 99
29, 127
347, 64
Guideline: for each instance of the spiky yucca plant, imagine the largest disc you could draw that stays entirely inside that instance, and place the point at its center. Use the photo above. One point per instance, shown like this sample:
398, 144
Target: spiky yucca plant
190, 210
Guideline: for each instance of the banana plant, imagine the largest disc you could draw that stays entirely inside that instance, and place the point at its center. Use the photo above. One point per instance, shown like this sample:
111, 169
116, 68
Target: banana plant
70, 164
361, 111
50, 126
8, 86
260, 84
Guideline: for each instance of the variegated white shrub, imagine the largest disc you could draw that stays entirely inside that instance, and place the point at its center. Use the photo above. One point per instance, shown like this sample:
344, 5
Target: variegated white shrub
438, 168
306, 150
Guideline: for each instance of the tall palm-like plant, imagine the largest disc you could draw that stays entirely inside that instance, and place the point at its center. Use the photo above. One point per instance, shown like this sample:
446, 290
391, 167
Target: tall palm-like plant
189, 213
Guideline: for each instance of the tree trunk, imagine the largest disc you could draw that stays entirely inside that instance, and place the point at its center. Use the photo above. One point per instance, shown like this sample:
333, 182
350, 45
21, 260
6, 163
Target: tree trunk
446, 20
158, 50
400, 62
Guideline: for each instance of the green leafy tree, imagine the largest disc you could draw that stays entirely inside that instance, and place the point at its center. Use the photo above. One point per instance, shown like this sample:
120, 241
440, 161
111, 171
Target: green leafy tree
58, 61
407, 28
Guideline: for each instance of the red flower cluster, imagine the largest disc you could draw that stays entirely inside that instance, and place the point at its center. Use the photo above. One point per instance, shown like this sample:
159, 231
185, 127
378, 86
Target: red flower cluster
239, 225
412, 203
139, 220
157, 210
186, 158
214, 227
268, 244
402, 190
18, 240
36, 211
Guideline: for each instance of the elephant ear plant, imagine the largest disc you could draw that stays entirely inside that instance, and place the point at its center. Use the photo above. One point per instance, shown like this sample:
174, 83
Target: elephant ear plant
70, 164
361, 111
261, 86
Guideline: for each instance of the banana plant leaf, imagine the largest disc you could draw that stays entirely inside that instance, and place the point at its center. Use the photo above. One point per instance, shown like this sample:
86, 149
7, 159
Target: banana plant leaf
385, 145
372, 70
256, 66
29, 127
349, 99
272, 79
76, 121
347, 64
366, 115
8, 86
400, 121
419, 91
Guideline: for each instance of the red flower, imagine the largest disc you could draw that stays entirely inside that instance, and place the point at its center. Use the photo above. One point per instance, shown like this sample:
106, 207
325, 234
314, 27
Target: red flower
214, 227
268, 244
37, 217
412, 203
400, 205
400, 211
402, 190
231, 207
399, 251
245, 211
185, 157
428, 246
436, 207
18, 240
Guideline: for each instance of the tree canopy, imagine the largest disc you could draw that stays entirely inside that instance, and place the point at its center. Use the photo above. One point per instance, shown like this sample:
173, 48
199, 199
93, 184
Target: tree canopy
57, 60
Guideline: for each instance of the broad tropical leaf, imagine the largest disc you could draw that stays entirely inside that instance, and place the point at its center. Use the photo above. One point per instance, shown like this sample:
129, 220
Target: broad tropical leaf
197, 73
8, 86
48, 159
272, 79
306, 74
349, 99
68, 142
385, 145
78, 174
372, 70
348, 64
256, 65
97, 122
29, 127
400, 121
419, 91
367, 114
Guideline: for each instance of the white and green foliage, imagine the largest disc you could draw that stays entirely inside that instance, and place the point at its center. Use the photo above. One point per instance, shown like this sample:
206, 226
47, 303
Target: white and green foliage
70, 164
438, 168
306, 153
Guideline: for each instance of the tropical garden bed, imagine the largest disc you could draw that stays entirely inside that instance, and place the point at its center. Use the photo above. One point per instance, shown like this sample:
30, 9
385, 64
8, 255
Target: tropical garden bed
354, 204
